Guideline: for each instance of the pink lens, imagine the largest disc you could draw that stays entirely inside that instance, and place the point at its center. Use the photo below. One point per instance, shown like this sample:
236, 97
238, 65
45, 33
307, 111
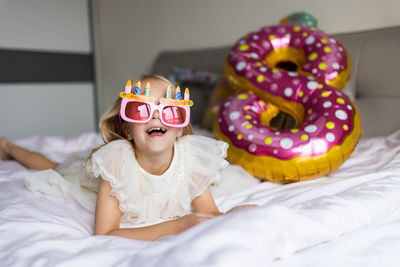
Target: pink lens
137, 111
174, 115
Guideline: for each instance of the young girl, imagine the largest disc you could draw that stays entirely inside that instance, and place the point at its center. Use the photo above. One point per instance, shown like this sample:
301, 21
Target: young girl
152, 170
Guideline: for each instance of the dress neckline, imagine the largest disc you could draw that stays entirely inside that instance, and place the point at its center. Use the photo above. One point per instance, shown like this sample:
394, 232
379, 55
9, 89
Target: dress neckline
154, 176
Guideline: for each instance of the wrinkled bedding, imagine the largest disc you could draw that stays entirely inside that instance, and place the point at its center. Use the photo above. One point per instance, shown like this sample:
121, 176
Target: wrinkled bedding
349, 218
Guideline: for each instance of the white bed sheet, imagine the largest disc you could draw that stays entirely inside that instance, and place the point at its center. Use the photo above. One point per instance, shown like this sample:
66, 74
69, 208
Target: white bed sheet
350, 218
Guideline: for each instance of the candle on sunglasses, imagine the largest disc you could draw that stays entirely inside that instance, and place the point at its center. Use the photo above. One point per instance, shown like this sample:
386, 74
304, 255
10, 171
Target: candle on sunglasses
168, 93
137, 88
147, 89
178, 93
186, 97
128, 86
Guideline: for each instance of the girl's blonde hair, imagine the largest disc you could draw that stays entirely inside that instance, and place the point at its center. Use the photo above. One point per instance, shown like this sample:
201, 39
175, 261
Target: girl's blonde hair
111, 124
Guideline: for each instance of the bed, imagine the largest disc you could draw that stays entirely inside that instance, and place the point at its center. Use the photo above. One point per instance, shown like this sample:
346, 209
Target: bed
349, 218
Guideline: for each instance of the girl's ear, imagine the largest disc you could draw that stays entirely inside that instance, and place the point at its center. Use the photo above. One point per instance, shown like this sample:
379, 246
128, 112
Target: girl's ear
180, 132
126, 132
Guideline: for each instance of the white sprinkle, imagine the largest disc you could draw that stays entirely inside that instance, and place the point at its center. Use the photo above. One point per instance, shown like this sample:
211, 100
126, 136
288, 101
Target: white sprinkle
341, 114
254, 55
327, 104
312, 85
231, 128
240, 66
234, 115
335, 65
227, 104
330, 137
310, 128
292, 74
263, 69
250, 137
286, 143
310, 40
252, 147
288, 91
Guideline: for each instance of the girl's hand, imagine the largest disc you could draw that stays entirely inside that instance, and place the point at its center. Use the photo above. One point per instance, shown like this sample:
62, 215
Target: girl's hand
193, 219
241, 207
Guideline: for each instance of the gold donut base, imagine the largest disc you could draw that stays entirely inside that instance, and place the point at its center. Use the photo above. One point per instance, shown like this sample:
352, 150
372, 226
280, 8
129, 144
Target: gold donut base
296, 169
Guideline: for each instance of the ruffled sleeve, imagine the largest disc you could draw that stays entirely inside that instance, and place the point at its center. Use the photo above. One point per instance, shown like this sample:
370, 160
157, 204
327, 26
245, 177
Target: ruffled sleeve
110, 163
204, 159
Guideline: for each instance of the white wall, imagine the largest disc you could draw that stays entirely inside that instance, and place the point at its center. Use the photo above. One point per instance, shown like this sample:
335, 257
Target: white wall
50, 25
130, 34
54, 108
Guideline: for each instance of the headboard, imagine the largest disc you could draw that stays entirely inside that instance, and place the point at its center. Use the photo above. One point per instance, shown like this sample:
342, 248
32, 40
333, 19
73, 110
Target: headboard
374, 84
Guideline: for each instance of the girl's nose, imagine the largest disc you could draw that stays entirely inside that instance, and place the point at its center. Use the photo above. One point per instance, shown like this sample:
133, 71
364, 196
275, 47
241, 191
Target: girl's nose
156, 115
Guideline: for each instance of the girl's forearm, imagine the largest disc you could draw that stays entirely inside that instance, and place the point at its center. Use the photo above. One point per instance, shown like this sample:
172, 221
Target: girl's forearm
150, 233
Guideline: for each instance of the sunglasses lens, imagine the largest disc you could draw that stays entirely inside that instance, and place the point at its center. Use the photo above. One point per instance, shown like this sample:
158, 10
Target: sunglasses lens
174, 115
137, 111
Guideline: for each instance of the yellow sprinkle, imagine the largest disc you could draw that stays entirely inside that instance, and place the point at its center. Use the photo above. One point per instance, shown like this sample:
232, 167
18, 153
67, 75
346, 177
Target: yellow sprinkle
240, 136
304, 137
345, 127
326, 94
313, 28
258, 64
242, 96
320, 86
296, 28
312, 56
262, 103
322, 66
260, 78
246, 108
247, 117
309, 111
340, 100
324, 40
330, 125
275, 70
271, 37
305, 34
295, 130
327, 49
244, 47
301, 93
248, 125
268, 140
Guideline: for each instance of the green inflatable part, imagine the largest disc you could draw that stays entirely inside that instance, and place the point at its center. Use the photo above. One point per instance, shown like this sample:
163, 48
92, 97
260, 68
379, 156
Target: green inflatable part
301, 18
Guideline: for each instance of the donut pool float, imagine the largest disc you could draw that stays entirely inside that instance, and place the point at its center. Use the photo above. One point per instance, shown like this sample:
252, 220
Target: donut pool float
326, 124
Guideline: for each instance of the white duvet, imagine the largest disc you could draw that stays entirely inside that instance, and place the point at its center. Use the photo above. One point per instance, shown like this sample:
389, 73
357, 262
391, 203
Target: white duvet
350, 218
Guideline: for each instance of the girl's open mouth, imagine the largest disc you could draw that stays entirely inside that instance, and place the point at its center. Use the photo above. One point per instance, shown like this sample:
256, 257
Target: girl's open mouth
156, 131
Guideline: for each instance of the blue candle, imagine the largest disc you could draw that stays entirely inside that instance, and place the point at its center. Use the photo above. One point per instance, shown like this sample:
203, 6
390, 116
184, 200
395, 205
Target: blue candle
137, 88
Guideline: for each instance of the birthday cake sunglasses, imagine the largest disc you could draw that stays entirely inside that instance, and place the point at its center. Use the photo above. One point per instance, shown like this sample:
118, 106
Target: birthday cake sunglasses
140, 108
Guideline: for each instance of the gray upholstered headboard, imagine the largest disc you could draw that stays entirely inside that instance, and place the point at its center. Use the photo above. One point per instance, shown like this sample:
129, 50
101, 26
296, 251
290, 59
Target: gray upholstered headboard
374, 84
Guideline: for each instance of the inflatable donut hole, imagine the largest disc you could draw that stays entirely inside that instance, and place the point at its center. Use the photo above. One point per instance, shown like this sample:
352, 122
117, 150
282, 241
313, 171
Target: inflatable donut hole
283, 120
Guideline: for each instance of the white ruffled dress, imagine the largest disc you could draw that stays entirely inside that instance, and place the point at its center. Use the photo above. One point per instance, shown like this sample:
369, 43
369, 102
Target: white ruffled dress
143, 197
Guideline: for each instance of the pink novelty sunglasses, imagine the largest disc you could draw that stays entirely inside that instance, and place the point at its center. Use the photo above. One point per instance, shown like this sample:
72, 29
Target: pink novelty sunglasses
142, 112
139, 108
